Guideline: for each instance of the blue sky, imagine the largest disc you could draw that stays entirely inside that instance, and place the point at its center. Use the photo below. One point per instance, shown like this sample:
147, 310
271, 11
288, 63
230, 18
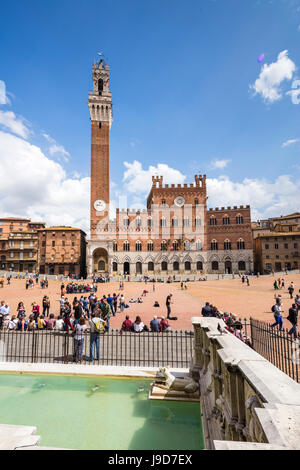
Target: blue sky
181, 77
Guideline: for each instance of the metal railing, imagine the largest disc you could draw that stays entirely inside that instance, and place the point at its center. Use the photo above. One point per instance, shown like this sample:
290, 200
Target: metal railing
278, 347
174, 348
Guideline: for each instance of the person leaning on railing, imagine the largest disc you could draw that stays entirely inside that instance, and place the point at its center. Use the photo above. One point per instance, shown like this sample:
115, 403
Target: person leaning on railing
80, 329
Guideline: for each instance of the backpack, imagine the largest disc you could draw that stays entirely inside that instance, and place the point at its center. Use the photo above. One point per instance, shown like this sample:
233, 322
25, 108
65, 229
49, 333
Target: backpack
273, 308
99, 326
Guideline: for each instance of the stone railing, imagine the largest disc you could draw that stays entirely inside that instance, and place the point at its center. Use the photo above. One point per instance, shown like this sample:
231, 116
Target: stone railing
246, 402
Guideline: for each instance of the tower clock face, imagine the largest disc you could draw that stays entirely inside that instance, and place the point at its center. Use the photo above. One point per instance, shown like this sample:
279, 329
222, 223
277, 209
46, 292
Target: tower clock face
179, 201
99, 205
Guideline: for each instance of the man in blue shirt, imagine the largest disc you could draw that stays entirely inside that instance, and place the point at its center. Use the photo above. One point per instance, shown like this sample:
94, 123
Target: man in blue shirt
154, 324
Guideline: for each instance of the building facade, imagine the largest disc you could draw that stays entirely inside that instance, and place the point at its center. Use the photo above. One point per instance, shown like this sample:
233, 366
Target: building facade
62, 251
19, 244
277, 244
175, 234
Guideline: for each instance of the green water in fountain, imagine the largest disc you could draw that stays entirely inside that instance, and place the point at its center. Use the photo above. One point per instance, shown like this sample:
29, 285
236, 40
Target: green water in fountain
98, 413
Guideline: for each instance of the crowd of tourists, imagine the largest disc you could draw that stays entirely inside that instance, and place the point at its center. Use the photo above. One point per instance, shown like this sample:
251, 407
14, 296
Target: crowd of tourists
293, 310
233, 324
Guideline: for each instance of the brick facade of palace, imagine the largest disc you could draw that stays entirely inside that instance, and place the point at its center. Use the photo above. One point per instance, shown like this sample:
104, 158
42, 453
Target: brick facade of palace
175, 234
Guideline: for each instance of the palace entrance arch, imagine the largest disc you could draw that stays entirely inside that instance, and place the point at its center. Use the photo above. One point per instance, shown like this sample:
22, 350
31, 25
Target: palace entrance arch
100, 261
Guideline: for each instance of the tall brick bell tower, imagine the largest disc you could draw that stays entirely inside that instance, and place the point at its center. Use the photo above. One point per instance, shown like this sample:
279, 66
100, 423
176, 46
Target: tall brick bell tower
100, 106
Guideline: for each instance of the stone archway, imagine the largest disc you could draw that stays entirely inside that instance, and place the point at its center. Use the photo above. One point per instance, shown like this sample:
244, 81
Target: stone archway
126, 268
228, 266
100, 261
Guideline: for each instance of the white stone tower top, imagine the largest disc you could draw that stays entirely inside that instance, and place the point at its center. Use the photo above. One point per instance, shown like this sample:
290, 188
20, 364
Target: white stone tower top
100, 101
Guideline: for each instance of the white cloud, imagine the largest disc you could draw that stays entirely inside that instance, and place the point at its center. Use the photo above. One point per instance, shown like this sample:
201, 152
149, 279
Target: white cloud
290, 142
219, 164
16, 125
138, 180
56, 148
267, 199
272, 76
35, 186
295, 92
3, 96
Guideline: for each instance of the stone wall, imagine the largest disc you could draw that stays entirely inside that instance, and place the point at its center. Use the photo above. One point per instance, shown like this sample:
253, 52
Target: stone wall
247, 403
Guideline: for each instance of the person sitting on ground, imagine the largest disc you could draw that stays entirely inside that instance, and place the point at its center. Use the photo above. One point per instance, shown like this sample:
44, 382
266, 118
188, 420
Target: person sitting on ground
51, 322
154, 324
138, 326
127, 324
41, 322
31, 323
139, 300
164, 325
206, 310
132, 301
22, 324
156, 304
59, 323
13, 323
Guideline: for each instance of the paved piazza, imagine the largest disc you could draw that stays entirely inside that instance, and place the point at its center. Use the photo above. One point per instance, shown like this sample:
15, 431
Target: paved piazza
228, 295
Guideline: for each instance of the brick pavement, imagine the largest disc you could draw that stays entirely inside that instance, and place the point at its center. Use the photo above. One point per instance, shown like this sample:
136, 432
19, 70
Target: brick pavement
228, 295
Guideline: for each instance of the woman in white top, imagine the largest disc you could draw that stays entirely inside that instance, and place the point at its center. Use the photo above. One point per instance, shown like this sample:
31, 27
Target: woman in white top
138, 326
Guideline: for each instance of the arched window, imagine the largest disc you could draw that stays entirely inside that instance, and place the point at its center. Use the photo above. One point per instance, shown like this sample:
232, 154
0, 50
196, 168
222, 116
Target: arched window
198, 245
163, 246
138, 268
150, 266
240, 244
196, 202
163, 222
213, 220
175, 245
214, 245
138, 222
227, 244
239, 219
187, 266
199, 266
198, 222
174, 222
164, 266
149, 222
126, 246
242, 266
115, 266
175, 266
163, 202
186, 222
138, 246
226, 220
126, 222
215, 266
115, 246
150, 245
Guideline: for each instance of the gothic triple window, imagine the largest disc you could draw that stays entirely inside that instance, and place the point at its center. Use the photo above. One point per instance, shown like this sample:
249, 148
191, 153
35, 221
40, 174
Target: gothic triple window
240, 244
126, 246
138, 246
227, 245
214, 245
239, 219
213, 221
163, 246
226, 220
150, 245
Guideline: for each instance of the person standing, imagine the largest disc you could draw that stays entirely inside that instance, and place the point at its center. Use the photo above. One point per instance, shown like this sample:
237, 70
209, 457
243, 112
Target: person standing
293, 319
291, 289
168, 305
106, 312
277, 309
80, 329
96, 324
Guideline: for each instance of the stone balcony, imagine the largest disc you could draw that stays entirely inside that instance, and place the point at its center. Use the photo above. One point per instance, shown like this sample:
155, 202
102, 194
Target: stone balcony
247, 403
